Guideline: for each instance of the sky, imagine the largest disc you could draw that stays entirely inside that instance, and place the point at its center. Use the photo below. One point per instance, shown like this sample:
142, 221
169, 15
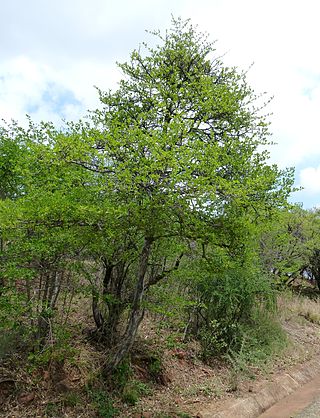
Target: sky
53, 53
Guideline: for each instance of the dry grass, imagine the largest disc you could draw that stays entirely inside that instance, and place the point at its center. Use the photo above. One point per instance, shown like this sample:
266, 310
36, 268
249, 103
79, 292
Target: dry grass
300, 318
292, 305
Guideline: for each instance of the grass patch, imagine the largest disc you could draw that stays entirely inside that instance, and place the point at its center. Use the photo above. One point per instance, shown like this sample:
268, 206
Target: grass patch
259, 342
292, 305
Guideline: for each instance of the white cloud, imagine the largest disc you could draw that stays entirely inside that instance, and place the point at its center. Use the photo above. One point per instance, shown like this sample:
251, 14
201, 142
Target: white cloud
21, 84
48, 93
310, 179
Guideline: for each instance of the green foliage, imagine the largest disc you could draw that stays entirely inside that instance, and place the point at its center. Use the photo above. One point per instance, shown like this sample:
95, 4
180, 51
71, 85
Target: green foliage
57, 350
71, 399
257, 342
130, 395
165, 183
103, 403
53, 410
228, 314
12, 341
289, 245
143, 388
134, 390
227, 286
14, 332
216, 337
174, 340
285, 240
176, 413
12, 149
121, 375
155, 366
12, 308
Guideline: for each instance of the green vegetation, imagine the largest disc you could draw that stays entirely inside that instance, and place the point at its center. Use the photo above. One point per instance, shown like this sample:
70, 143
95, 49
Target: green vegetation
160, 202
103, 404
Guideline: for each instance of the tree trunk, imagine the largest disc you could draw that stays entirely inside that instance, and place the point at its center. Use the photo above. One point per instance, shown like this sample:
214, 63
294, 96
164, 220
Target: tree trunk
108, 323
136, 315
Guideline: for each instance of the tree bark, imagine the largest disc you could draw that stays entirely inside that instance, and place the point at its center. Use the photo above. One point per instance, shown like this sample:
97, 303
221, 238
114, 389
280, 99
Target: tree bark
136, 314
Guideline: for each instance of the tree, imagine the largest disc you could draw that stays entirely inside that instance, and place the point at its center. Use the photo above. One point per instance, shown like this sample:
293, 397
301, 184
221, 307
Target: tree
171, 162
40, 232
175, 153
11, 183
289, 244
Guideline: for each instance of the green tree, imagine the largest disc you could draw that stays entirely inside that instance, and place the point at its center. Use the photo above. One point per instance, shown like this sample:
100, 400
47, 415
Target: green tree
171, 162
289, 243
39, 231
175, 152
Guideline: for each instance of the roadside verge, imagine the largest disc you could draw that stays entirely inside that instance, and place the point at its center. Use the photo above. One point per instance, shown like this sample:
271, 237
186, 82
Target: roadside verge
254, 405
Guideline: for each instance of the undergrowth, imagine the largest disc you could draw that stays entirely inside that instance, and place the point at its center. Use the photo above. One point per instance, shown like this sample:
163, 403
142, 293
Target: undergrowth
259, 342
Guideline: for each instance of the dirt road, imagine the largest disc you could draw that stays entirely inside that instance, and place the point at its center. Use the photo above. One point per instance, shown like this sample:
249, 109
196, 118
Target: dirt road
303, 403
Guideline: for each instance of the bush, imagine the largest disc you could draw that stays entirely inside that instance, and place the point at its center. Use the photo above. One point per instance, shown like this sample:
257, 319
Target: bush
257, 342
12, 340
228, 303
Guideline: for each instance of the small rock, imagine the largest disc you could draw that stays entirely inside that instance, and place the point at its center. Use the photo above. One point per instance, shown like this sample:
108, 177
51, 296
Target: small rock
26, 397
